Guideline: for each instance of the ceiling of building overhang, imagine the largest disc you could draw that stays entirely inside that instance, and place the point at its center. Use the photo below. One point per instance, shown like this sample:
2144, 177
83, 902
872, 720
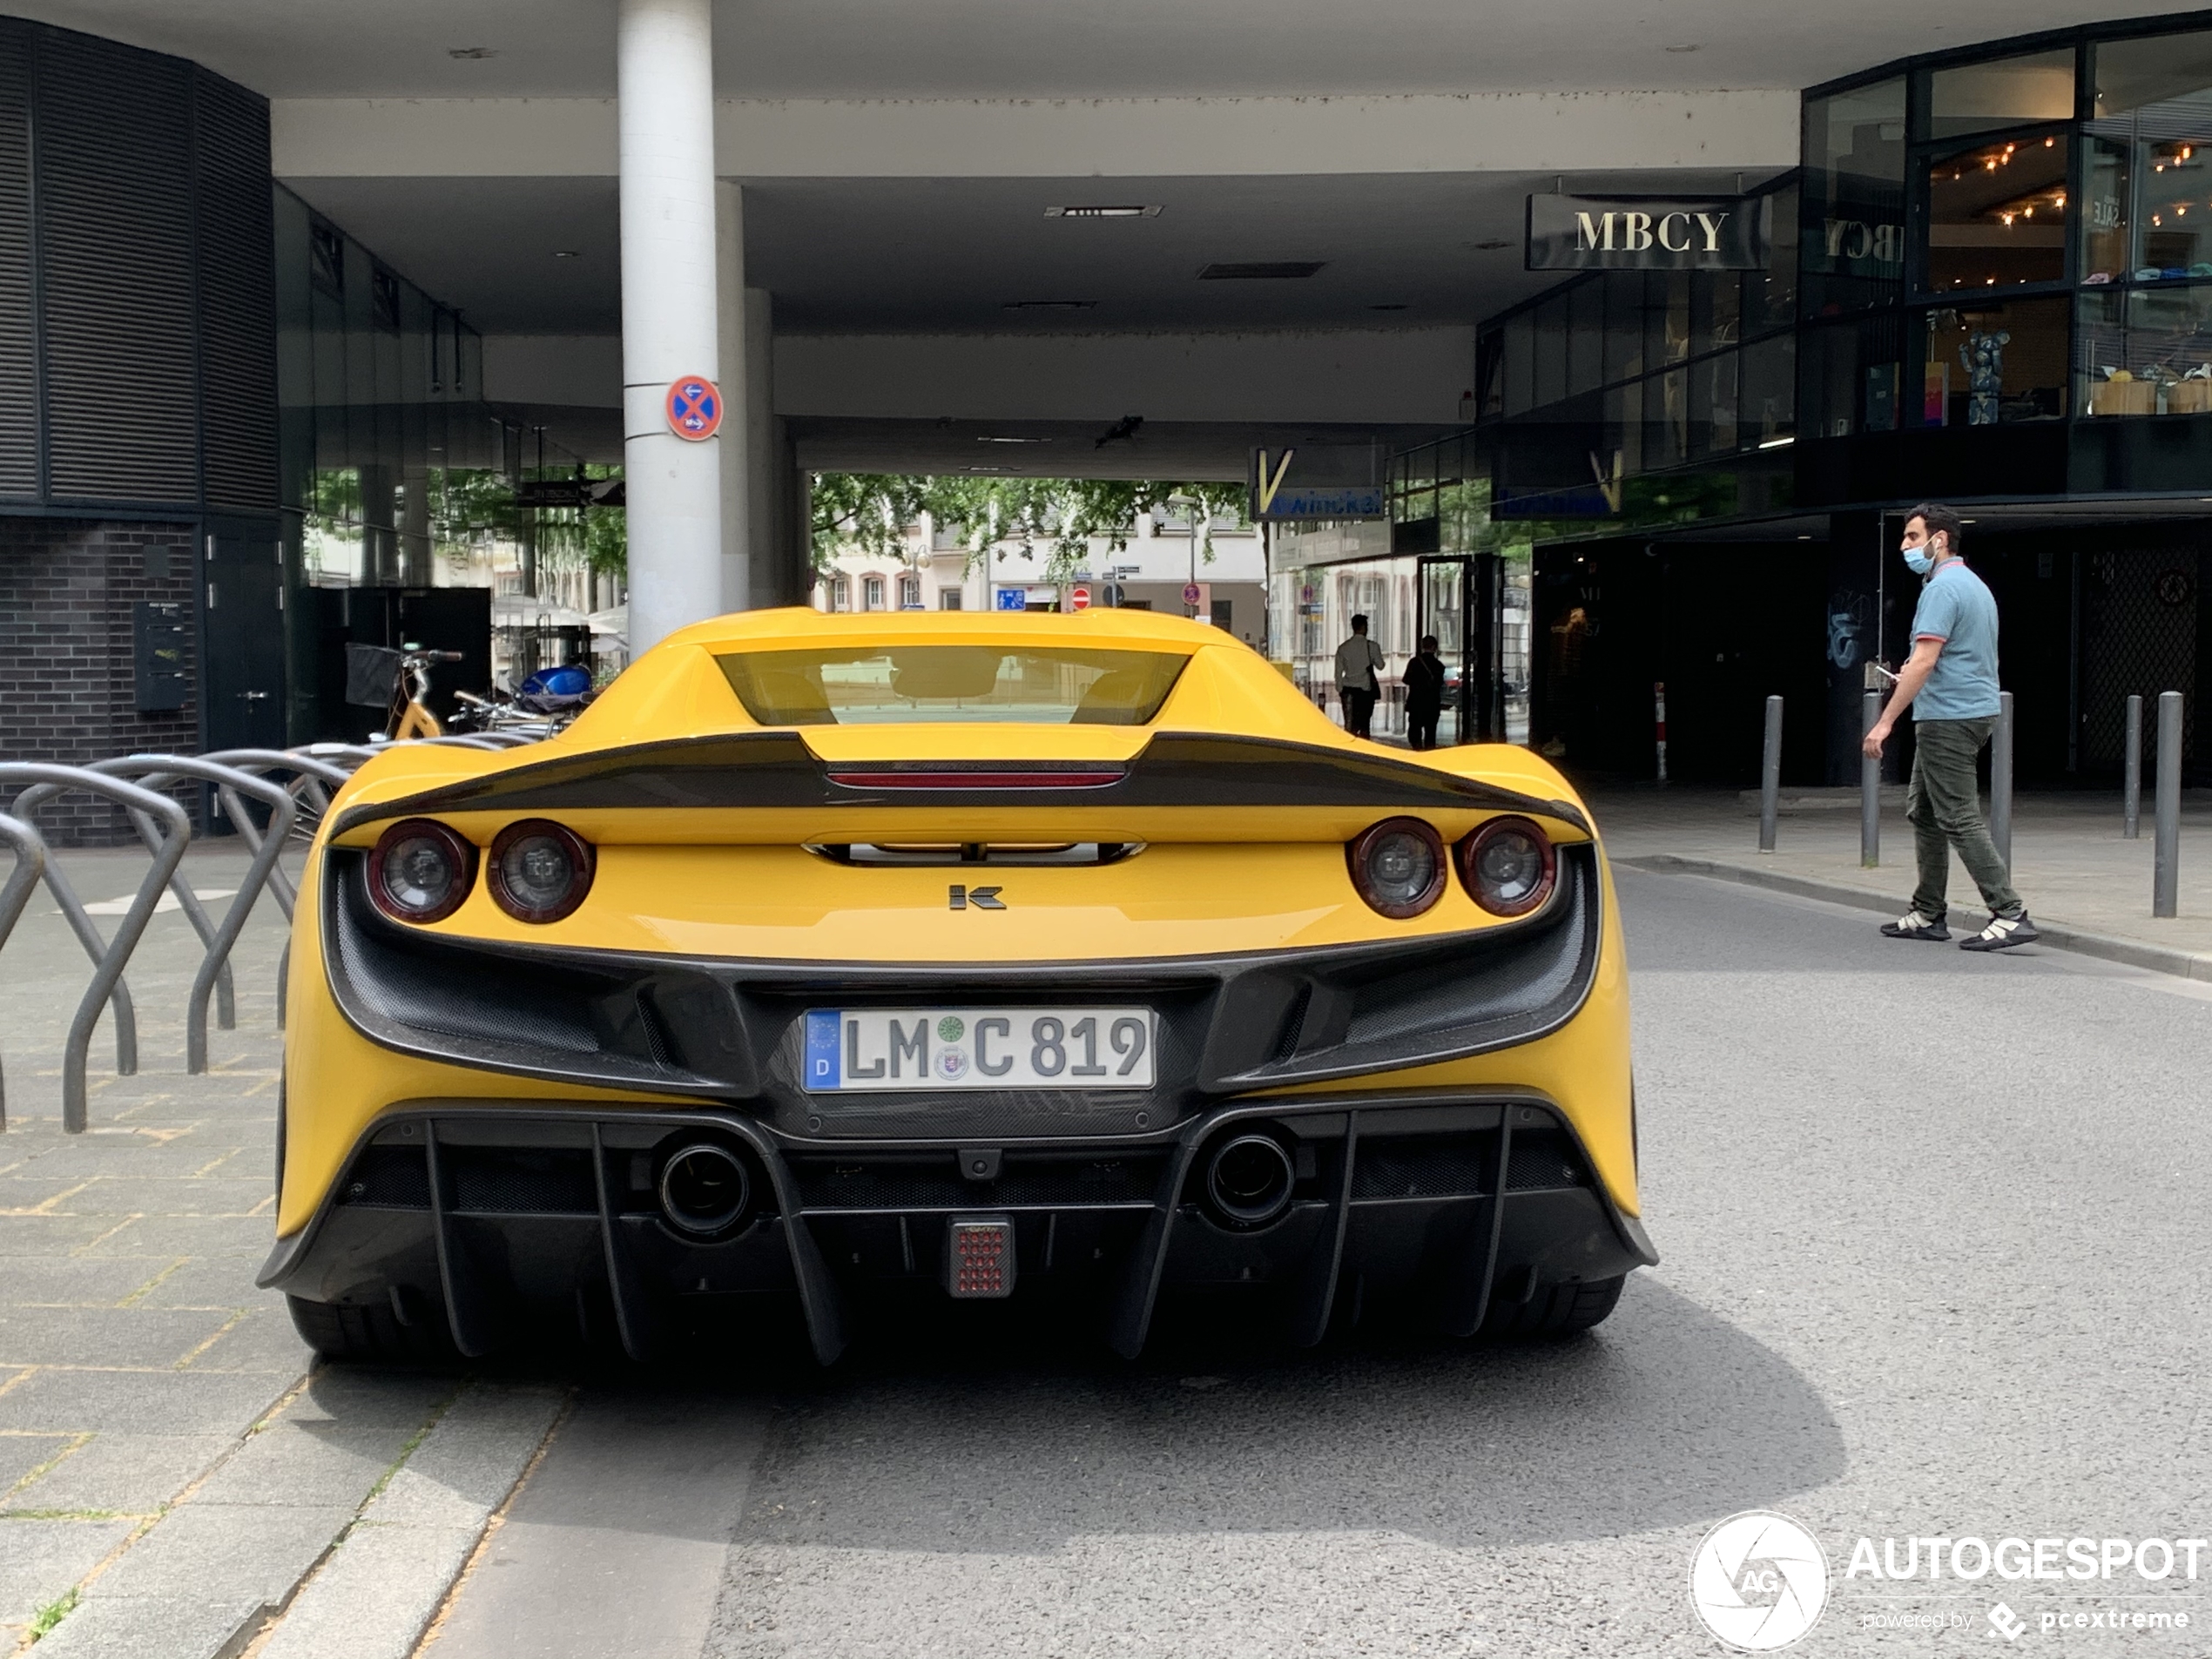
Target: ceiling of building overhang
952, 255
1021, 49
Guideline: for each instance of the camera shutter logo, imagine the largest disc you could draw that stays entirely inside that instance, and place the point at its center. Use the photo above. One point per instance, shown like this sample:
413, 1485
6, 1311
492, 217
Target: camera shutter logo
1758, 1581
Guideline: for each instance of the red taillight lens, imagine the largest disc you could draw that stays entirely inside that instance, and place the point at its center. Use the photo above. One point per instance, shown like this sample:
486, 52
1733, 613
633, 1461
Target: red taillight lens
1398, 867
1509, 865
419, 871
540, 871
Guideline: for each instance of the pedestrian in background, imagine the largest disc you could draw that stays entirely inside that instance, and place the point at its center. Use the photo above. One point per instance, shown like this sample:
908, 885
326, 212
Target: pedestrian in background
1359, 662
1424, 694
1950, 684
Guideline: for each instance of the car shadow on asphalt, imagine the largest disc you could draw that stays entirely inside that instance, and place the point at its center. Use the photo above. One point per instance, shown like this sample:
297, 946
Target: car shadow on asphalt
1016, 1438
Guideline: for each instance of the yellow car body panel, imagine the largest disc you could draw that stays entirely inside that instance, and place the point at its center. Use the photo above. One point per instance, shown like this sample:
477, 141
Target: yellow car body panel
1239, 858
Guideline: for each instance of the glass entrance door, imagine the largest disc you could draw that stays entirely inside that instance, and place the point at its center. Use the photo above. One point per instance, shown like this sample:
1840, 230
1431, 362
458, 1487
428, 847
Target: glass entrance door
1443, 590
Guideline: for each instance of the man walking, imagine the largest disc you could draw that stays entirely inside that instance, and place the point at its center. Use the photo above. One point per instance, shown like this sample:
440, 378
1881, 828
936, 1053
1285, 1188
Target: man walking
1950, 683
1424, 694
1359, 662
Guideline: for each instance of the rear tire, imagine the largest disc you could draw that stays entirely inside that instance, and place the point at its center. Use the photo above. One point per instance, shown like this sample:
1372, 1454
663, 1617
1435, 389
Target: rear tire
371, 1334
1555, 1311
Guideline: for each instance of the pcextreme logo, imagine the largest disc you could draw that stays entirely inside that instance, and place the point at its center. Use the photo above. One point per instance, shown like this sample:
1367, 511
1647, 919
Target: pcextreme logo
1758, 1581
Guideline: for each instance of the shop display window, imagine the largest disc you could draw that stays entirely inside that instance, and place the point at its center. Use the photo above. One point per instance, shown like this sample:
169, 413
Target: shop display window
1585, 337
1520, 363
1770, 296
1851, 221
1997, 214
2149, 352
2011, 92
1623, 325
2148, 184
1768, 395
1551, 350
1990, 363
1712, 405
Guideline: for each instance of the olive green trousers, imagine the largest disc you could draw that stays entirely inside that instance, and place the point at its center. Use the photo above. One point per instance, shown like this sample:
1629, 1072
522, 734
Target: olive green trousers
1943, 804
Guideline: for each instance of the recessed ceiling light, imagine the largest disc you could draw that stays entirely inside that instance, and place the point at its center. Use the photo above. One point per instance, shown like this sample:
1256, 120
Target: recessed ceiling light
994, 437
1492, 245
1106, 210
1777, 443
471, 53
1050, 304
566, 253
986, 469
1260, 270
1394, 306
1683, 49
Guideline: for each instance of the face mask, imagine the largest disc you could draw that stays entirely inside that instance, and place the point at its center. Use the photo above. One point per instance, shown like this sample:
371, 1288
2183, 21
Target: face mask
1918, 560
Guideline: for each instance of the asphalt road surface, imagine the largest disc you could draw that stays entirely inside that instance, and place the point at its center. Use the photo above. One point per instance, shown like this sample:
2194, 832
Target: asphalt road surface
1936, 1249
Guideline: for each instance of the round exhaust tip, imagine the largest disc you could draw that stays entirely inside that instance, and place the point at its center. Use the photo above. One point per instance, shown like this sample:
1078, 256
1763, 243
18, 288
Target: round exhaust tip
704, 1189
1250, 1178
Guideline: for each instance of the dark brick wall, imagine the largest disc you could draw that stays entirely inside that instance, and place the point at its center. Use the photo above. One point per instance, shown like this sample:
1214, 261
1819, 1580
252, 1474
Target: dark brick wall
67, 592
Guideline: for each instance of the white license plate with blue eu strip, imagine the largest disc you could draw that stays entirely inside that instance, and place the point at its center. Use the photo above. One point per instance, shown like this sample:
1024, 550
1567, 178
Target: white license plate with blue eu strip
851, 1050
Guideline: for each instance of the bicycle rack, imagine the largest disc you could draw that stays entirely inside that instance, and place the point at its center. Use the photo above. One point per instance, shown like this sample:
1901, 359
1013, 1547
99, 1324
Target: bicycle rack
22, 881
311, 774
107, 976
153, 770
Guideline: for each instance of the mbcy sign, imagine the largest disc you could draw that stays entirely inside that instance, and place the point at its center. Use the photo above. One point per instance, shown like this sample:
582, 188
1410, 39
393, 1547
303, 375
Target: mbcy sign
1644, 233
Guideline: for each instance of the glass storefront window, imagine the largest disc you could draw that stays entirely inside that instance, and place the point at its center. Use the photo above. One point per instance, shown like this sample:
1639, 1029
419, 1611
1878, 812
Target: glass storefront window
2144, 353
1992, 363
2131, 75
2013, 91
1551, 350
1997, 215
1585, 336
2106, 209
1770, 296
1623, 325
1768, 398
1712, 404
1852, 222
1520, 363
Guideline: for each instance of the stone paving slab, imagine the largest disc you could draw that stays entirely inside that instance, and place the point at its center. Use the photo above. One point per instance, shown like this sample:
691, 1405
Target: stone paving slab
35, 1555
134, 1628
383, 1585
121, 1473
84, 1335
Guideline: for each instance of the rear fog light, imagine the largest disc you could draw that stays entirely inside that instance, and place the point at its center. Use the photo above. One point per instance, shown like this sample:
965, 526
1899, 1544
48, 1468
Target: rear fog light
979, 1257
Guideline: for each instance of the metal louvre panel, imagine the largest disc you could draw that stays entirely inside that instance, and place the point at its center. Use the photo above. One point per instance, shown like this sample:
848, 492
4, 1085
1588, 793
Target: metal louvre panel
115, 244
237, 296
18, 327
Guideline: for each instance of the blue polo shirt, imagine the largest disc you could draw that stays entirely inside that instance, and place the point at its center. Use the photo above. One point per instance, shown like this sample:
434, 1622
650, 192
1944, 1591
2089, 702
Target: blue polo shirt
1957, 607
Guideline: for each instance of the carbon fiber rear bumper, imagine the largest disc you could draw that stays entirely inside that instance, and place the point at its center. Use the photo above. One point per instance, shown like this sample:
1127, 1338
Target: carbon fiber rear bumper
497, 1218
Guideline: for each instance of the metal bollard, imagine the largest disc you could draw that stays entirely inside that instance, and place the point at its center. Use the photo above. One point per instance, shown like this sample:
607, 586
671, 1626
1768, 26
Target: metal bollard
1870, 788
2165, 868
1770, 774
2000, 781
2131, 792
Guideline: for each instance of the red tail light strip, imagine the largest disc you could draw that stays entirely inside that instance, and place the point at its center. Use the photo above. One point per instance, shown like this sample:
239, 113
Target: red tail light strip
975, 779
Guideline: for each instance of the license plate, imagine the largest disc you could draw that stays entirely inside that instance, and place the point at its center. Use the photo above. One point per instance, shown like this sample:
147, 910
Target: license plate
854, 1049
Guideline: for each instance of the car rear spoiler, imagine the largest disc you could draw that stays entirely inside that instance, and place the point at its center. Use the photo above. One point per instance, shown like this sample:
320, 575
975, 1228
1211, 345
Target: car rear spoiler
777, 769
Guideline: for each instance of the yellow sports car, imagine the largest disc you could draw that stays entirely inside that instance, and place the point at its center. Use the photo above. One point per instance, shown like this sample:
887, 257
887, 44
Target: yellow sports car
845, 958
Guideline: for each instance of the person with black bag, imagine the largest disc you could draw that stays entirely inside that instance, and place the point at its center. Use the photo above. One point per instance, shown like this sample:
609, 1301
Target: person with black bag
1359, 662
1424, 694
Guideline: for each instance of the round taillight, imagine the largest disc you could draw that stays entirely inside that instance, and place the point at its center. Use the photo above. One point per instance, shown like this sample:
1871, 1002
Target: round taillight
539, 870
1509, 865
419, 871
1398, 866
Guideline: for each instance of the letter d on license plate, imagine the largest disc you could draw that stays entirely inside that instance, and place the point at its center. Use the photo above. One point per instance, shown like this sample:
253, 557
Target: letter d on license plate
854, 1049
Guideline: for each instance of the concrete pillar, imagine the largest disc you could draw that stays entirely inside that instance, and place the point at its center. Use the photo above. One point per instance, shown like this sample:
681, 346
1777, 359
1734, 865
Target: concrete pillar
664, 85
760, 447
738, 541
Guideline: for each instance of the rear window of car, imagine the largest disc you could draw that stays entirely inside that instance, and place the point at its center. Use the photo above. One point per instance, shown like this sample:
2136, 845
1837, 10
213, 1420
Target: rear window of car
895, 684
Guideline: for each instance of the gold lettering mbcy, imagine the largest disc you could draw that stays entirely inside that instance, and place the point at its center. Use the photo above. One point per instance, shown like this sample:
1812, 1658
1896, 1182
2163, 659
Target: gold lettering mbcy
1596, 232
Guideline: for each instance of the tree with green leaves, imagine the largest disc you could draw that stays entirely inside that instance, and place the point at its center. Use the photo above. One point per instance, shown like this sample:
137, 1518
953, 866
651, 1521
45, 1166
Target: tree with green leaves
1056, 518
